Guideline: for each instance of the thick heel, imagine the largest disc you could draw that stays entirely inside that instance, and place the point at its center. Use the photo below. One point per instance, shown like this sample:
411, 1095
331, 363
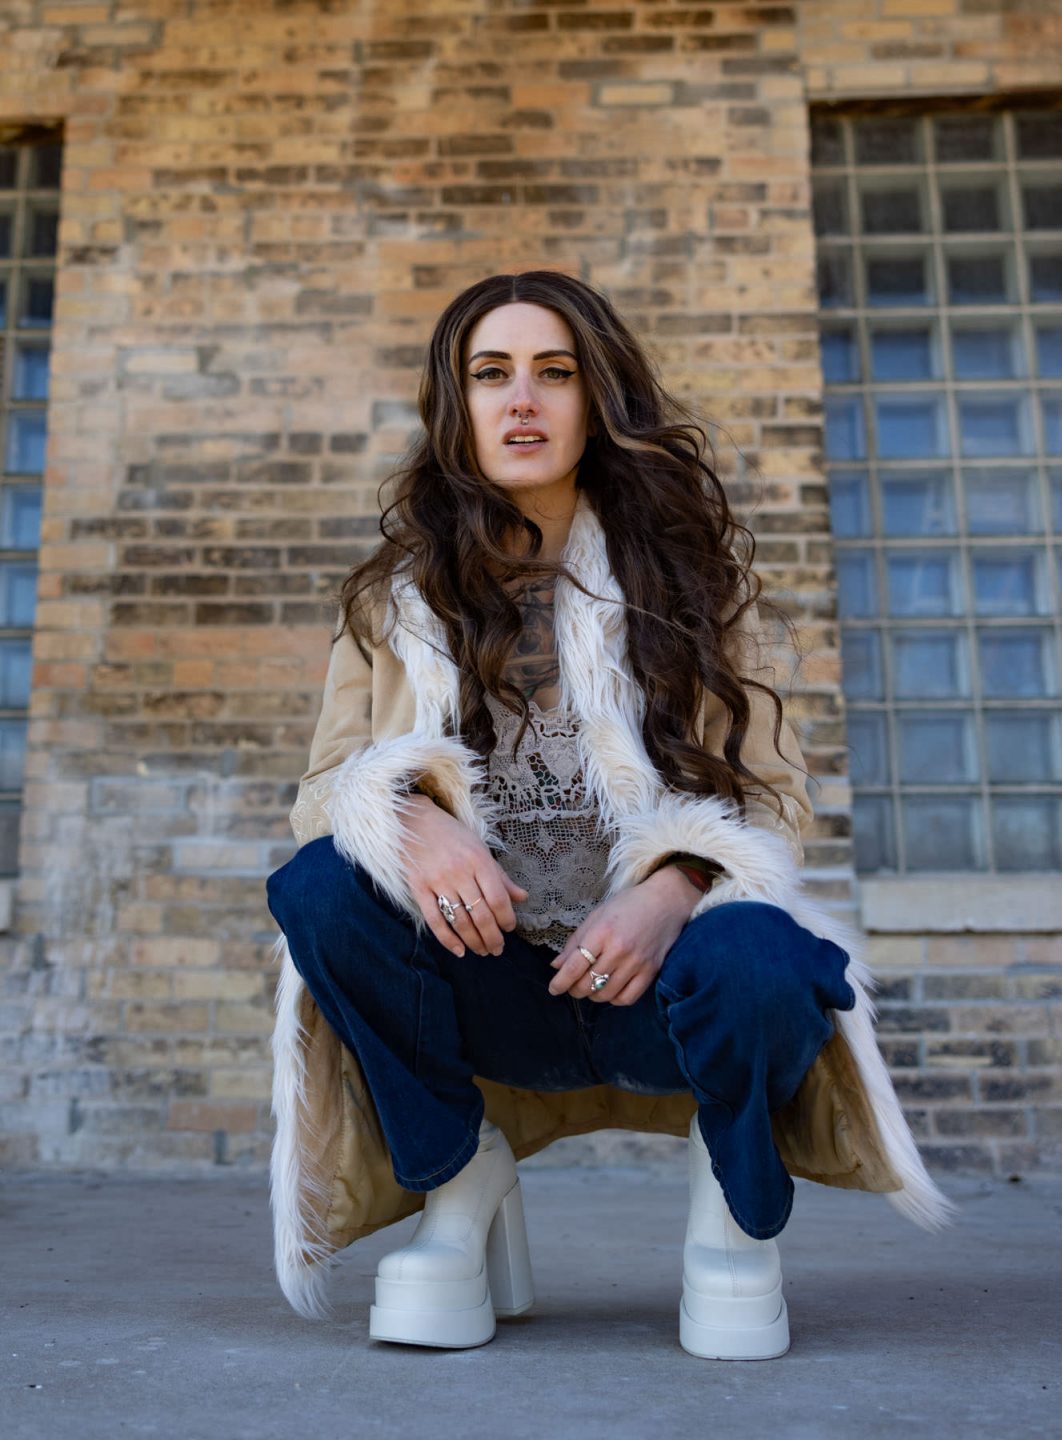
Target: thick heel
508, 1258
733, 1341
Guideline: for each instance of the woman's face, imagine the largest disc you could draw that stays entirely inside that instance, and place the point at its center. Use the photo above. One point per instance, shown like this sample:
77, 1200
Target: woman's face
522, 378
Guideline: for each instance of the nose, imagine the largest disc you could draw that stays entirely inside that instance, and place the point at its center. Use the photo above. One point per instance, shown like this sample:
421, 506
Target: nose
523, 401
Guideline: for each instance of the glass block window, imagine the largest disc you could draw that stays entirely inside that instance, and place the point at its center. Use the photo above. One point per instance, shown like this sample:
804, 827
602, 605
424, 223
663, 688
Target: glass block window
940, 292
29, 217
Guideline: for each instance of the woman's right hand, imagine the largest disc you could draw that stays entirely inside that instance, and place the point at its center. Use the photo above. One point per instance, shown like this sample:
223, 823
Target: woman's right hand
443, 857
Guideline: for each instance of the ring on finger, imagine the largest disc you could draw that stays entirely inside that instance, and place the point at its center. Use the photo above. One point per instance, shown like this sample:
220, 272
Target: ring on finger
474, 902
447, 907
588, 955
598, 981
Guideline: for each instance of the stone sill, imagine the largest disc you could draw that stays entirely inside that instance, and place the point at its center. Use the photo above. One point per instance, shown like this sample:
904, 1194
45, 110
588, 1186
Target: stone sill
947, 904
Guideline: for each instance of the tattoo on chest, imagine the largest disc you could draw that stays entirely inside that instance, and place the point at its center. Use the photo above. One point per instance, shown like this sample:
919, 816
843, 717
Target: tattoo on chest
532, 667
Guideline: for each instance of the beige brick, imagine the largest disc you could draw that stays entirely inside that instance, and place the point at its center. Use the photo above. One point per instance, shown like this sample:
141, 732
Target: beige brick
644, 93
921, 9
872, 79
213, 1115
777, 42
1042, 949
894, 952
175, 951
247, 1083
216, 985
953, 75
139, 919
127, 34
185, 1017
969, 951
129, 985
74, 14
145, 361
246, 1019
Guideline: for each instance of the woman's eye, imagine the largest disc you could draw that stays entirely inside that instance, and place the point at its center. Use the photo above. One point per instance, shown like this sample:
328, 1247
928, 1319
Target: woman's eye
491, 372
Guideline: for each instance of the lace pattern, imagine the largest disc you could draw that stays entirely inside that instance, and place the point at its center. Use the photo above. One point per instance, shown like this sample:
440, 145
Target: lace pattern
555, 846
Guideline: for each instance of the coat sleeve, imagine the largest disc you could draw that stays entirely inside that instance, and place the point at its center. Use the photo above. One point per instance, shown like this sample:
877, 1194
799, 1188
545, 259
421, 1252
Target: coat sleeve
344, 727
787, 813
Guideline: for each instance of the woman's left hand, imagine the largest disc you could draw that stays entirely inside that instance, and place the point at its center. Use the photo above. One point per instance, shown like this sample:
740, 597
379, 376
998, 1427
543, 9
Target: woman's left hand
630, 934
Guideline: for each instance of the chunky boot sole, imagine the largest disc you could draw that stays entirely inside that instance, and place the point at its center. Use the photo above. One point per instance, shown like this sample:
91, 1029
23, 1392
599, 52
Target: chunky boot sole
458, 1314
734, 1329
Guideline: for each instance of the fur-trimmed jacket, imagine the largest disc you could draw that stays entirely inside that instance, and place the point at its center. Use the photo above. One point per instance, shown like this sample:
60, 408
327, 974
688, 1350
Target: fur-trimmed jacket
391, 719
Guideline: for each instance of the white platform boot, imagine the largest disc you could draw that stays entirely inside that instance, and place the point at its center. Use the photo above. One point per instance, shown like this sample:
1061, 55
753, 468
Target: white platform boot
467, 1261
732, 1306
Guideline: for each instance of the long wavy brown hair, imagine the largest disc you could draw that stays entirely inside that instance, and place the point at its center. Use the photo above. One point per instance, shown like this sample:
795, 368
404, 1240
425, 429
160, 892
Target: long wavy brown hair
681, 559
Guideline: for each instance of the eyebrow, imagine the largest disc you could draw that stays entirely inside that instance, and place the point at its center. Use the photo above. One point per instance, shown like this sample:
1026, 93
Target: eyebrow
504, 355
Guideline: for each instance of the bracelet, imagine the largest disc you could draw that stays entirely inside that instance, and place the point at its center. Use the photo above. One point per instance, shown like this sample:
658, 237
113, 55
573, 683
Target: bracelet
697, 870
701, 882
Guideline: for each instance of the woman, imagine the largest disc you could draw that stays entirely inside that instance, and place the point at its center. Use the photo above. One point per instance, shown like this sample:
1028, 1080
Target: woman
547, 880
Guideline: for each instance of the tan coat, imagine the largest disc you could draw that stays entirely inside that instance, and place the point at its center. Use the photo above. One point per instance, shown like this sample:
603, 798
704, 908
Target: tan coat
385, 722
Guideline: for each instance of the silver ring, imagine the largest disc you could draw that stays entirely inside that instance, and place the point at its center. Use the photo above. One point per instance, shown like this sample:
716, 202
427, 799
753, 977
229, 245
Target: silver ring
446, 906
598, 982
588, 955
474, 902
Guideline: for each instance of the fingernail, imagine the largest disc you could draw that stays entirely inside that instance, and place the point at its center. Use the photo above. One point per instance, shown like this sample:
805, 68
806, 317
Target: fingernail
459, 952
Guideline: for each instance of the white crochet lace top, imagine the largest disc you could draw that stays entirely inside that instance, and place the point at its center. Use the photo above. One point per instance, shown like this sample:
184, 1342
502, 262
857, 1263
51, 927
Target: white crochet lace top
556, 848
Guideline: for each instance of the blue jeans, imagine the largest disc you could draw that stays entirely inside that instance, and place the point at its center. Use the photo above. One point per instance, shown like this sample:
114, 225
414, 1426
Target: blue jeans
737, 1016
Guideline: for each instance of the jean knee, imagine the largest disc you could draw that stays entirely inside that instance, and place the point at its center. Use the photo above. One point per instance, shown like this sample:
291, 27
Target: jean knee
307, 884
757, 961
752, 928
733, 939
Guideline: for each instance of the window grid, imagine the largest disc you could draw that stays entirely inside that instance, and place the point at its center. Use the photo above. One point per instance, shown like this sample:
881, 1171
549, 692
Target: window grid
29, 210
887, 845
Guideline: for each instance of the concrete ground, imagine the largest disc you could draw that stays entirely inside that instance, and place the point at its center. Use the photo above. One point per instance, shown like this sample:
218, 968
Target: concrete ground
138, 1306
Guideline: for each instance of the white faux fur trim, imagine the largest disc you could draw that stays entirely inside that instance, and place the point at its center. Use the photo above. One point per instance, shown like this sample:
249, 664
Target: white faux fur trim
416, 636
366, 804
302, 1252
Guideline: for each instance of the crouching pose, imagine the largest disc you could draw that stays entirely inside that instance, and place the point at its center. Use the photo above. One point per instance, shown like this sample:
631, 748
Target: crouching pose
549, 836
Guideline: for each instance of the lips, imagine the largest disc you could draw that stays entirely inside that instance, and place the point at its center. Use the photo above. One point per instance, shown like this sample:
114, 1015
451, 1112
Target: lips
518, 439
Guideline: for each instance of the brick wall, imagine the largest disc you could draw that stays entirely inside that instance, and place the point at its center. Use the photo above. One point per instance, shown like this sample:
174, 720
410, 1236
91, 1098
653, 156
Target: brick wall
969, 1027
853, 49
264, 208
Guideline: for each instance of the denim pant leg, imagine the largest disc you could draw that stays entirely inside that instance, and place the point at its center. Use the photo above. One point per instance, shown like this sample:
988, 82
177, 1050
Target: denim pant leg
745, 990
420, 1020
737, 1015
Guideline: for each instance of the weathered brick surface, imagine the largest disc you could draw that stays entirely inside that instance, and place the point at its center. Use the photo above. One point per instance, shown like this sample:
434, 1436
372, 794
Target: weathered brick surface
263, 210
